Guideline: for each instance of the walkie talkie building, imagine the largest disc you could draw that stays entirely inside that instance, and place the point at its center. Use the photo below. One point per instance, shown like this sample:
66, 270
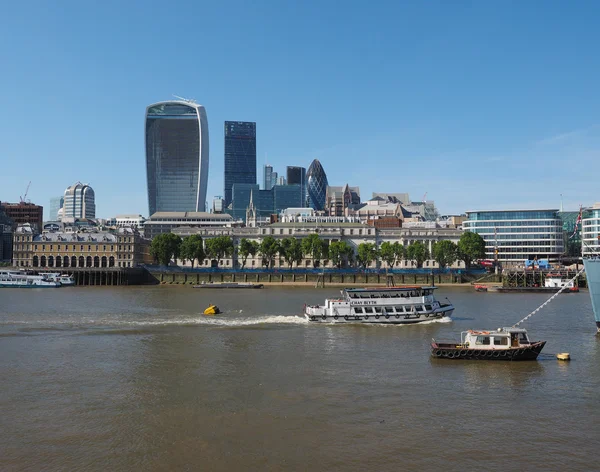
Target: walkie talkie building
176, 156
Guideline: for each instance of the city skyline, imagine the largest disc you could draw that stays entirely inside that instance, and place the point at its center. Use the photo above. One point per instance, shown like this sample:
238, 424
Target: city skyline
447, 105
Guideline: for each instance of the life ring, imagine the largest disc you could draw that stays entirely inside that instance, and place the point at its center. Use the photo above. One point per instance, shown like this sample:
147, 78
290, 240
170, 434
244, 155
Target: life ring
346, 317
438, 353
366, 317
313, 318
335, 317
444, 353
377, 317
387, 317
323, 317
476, 353
397, 316
490, 353
496, 354
463, 353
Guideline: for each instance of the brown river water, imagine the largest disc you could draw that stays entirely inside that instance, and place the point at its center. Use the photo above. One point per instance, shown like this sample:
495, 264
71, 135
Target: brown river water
136, 378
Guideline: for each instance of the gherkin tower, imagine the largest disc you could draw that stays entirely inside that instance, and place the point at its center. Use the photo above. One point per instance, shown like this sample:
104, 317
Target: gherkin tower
316, 186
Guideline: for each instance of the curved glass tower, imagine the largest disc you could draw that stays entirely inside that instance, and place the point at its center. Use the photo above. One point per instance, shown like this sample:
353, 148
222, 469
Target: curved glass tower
316, 186
176, 156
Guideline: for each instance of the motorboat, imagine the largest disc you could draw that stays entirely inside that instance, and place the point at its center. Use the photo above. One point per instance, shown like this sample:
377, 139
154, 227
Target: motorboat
18, 279
504, 344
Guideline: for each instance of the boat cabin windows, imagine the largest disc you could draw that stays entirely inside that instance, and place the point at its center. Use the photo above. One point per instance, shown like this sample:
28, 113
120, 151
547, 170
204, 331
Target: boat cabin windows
419, 307
523, 338
399, 309
389, 309
482, 340
358, 309
368, 309
377, 309
500, 341
428, 307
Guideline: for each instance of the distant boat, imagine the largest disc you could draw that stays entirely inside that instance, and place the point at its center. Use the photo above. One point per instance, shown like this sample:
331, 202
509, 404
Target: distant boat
17, 279
228, 285
480, 288
64, 279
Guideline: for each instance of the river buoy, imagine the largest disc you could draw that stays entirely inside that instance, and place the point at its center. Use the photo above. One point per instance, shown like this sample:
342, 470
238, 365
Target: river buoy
563, 356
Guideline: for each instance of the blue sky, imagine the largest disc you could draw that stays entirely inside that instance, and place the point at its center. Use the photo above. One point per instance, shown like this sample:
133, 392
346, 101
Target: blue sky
478, 104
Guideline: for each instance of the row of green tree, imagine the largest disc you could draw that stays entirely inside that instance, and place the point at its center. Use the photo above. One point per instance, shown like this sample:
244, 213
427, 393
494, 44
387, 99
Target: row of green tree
168, 246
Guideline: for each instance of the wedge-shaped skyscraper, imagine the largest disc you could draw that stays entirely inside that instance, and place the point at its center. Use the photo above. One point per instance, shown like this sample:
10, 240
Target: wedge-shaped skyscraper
176, 156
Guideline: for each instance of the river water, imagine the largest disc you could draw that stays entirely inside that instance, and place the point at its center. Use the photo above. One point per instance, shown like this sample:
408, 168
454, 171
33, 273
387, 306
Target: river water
135, 378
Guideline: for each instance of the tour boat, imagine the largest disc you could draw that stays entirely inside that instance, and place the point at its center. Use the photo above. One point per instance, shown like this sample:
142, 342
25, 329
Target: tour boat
384, 305
17, 279
505, 344
64, 279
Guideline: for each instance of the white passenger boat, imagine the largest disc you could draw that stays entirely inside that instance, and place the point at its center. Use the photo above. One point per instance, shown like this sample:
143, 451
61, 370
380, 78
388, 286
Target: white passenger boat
64, 279
383, 305
16, 279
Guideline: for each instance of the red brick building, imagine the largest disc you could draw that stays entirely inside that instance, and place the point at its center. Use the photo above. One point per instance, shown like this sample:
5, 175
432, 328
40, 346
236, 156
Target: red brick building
24, 212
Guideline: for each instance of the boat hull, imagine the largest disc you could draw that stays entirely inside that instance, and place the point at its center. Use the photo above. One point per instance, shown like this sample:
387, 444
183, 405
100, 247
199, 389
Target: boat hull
450, 351
592, 274
29, 285
229, 285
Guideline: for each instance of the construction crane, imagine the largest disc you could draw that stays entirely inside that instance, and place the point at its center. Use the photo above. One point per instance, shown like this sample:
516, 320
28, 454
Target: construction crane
24, 197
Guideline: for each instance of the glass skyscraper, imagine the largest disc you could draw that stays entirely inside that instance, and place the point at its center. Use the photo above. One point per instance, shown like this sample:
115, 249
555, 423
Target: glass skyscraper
176, 156
79, 202
316, 186
297, 176
56, 203
240, 155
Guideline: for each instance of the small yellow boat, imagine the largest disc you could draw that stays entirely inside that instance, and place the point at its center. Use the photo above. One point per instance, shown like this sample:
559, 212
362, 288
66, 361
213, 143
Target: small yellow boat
212, 310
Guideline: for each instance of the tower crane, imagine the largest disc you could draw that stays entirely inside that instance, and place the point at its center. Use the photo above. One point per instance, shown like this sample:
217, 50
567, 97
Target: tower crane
24, 197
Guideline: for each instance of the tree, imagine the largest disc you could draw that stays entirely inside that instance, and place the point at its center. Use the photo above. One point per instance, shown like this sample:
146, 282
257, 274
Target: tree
471, 247
314, 247
444, 253
192, 248
417, 252
268, 248
367, 253
391, 254
339, 251
165, 247
219, 247
244, 250
291, 250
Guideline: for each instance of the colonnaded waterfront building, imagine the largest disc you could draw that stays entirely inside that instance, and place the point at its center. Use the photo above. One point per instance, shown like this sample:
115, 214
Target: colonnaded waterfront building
176, 156
518, 235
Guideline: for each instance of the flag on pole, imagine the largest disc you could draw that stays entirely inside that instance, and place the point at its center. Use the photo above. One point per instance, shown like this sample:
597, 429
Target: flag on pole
577, 222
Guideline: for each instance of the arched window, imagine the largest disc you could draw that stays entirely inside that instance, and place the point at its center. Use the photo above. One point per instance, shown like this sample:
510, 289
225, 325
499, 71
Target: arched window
88, 261
74, 261
81, 261
96, 261
103, 261
50, 261
66, 261
43, 261
111, 261
36, 261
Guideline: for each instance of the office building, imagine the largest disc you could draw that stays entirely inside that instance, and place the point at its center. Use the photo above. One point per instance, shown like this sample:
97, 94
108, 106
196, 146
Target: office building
79, 202
186, 222
218, 204
297, 176
267, 177
518, 235
56, 204
590, 231
316, 186
240, 155
265, 202
23, 212
274, 177
176, 156
281, 180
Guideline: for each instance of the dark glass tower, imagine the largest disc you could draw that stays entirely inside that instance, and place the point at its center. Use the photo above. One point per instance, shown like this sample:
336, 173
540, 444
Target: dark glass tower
316, 186
240, 155
297, 176
176, 156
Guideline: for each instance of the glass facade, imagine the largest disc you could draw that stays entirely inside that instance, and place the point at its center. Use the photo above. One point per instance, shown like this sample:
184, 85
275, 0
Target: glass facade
518, 235
176, 156
79, 202
266, 202
316, 186
56, 204
590, 231
240, 156
297, 176
267, 177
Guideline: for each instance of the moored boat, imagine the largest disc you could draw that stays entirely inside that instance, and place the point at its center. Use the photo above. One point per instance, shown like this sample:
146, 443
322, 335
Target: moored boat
505, 344
381, 305
480, 288
228, 285
63, 279
17, 279
592, 274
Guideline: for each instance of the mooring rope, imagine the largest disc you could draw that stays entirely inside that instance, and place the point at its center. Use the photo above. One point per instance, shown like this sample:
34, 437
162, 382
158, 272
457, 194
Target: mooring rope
566, 286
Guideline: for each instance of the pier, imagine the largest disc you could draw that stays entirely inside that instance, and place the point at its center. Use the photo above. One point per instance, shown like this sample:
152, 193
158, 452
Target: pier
111, 276
537, 278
